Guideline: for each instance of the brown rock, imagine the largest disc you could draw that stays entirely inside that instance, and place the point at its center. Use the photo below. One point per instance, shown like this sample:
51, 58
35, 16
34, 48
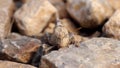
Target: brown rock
93, 53
6, 11
33, 16
60, 6
9, 64
89, 13
115, 4
19, 49
24, 1
112, 27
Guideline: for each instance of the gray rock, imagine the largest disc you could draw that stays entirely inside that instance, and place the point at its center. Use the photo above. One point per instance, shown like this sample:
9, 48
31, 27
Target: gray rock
93, 53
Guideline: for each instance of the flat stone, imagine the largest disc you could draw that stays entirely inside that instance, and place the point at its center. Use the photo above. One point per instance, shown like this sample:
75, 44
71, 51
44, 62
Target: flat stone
6, 11
112, 26
21, 49
34, 16
93, 53
89, 13
9, 64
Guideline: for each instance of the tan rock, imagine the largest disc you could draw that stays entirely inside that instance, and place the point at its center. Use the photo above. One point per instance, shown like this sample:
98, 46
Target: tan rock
61, 8
69, 26
33, 16
112, 27
19, 49
93, 53
115, 4
6, 11
89, 13
9, 64
50, 28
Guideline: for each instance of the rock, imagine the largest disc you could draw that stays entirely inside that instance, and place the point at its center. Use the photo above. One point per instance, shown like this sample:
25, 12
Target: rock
89, 13
115, 4
6, 11
14, 36
112, 27
93, 53
21, 49
69, 25
50, 28
9, 64
34, 16
60, 6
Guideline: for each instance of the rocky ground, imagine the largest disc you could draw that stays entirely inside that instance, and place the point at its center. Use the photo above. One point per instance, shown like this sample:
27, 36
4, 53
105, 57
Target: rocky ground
59, 34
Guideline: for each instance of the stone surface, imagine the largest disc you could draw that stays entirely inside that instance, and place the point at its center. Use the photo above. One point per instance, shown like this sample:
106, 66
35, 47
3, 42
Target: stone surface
9, 64
89, 13
6, 11
21, 49
93, 53
33, 16
115, 4
60, 6
69, 25
112, 27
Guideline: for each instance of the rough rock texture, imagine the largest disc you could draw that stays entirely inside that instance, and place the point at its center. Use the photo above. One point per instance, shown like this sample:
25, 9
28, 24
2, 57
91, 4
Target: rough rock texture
89, 13
60, 6
94, 53
115, 4
112, 27
33, 16
6, 11
19, 49
9, 64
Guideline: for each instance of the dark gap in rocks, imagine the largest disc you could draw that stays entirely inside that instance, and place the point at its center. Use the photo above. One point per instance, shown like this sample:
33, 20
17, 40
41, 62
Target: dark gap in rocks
101, 26
65, 1
15, 28
74, 22
18, 3
37, 57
